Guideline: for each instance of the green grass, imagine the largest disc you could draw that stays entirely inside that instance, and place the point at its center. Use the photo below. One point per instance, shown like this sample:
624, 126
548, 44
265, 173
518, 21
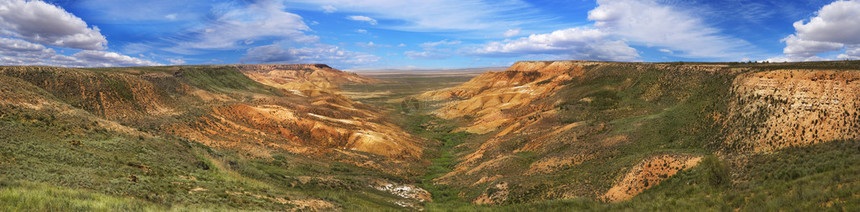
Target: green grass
25, 196
222, 79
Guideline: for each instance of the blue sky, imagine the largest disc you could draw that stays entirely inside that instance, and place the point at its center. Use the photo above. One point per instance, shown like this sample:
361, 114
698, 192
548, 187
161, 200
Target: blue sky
410, 34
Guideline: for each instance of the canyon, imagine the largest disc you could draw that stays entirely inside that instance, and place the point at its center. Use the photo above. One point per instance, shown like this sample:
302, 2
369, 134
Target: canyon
556, 135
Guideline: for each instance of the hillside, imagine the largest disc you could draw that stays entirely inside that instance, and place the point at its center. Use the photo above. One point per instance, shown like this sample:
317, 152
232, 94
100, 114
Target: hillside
609, 131
147, 124
540, 135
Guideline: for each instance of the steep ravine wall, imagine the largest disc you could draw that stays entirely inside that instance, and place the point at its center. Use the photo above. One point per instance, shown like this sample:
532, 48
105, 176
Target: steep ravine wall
771, 110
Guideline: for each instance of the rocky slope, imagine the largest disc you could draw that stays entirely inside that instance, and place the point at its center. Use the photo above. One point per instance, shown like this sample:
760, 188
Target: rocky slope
252, 110
599, 129
307, 78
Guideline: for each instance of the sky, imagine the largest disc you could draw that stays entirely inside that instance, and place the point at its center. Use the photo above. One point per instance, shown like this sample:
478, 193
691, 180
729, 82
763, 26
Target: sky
422, 34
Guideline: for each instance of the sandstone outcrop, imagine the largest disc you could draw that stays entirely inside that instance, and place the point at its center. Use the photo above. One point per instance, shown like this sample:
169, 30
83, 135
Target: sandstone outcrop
649, 173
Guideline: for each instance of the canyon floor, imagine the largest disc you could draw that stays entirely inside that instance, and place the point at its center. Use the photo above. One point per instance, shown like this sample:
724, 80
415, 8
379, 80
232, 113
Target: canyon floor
539, 135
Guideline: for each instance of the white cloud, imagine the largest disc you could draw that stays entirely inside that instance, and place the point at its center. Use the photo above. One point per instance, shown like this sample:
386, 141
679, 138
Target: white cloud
369, 20
648, 23
402, 45
94, 58
807, 48
328, 9
667, 51
852, 52
21, 52
171, 16
320, 53
439, 43
40, 22
371, 45
15, 47
362, 31
575, 43
512, 32
476, 18
432, 50
835, 26
264, 19
837, 22
425, 55
176, 61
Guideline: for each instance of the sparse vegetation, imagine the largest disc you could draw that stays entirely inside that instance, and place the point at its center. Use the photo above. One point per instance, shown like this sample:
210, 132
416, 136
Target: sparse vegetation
64, 151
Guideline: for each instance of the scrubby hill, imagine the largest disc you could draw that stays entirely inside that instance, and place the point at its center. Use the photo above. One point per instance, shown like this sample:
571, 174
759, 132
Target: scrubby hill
137, 133
608, 131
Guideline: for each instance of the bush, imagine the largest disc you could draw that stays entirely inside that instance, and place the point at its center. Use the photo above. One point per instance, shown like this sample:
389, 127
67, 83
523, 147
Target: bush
716, 172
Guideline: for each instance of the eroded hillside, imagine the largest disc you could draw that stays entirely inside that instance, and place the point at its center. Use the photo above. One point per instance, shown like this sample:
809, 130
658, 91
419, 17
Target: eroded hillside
275, 112
602, 130
554, 135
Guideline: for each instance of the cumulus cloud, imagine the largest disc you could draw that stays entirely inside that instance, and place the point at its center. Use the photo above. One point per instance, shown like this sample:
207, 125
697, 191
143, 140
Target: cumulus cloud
835, 26
235, 26
319, 53
40, 22
852, 52
837, 22
369, 20
648, 23
95, 58
798, 47
575, 43
21, 52
18, 48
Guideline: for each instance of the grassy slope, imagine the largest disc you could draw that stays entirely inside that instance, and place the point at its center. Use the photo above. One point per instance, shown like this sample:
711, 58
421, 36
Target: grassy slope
70, 162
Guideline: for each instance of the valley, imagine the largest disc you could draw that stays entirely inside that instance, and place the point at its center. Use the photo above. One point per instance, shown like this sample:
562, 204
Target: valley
539, 135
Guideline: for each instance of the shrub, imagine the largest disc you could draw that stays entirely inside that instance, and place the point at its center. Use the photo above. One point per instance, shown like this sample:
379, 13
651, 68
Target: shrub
716, 172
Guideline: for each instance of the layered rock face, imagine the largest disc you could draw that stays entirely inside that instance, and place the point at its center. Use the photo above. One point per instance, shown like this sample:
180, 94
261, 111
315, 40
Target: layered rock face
302, 77
771, 110
486, 97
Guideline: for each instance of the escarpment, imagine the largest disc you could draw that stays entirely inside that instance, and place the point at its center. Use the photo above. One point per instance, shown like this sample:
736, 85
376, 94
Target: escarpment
110, 95
590, 126
771, 110
309, 78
